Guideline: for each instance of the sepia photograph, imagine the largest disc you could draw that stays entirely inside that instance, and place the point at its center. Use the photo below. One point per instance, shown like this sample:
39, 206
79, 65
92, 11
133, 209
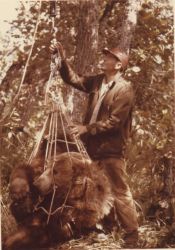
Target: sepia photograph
87, 134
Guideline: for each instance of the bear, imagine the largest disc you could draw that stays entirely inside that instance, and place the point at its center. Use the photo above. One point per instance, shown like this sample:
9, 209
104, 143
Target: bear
73, 188
86, 186
23, 193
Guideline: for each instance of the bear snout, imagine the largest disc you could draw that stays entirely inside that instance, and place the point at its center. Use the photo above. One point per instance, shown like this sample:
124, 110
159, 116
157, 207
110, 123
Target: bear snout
44, 182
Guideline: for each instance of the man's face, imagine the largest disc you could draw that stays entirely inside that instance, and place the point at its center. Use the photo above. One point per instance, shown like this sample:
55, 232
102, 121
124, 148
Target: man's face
110, 63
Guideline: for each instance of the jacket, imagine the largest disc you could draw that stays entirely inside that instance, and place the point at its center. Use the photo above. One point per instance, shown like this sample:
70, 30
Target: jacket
108, 135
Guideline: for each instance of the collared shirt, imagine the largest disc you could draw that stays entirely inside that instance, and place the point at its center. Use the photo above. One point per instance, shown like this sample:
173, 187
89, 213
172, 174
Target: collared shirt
104, 87
103, 90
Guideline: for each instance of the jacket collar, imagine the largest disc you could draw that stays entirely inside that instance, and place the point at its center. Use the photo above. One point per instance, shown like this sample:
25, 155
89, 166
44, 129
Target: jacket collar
117, 77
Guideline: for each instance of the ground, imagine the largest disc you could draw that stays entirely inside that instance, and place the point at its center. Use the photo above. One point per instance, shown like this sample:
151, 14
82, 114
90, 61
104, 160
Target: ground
151, 235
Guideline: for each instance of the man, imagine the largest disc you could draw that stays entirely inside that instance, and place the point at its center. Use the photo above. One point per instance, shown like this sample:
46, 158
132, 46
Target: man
106, 127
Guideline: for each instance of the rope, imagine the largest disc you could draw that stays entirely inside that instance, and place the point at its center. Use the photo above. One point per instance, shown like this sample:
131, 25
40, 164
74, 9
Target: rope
51, 138
56, 133
35, 150
27, 63
51, 147
70, 142
51, 204
65, 136
51, 213
53, 69
67, 195
80, 146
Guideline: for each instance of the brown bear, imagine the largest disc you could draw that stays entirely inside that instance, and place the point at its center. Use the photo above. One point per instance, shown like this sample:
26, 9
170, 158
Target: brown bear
24, 196
84, 184
22, 191
73, 194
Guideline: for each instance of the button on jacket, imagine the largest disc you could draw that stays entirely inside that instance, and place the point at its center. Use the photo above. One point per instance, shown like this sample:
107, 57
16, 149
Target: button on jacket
106, 137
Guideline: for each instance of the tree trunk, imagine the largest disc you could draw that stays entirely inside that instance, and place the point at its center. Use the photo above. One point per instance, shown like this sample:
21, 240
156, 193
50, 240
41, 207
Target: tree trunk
86, 50
87, 37
129, 24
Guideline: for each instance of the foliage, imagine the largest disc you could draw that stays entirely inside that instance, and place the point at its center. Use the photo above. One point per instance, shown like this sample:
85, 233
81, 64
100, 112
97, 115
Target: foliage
151, 148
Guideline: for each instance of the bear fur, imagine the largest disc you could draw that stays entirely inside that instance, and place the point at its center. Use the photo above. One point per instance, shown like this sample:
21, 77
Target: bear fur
82, 198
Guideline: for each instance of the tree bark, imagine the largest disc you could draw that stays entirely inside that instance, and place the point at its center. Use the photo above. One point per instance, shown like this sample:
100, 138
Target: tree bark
87, 37
129, 24
108, 8
86, 50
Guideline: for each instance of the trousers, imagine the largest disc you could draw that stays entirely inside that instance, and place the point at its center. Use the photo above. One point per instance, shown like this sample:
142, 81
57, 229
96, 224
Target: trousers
124, 204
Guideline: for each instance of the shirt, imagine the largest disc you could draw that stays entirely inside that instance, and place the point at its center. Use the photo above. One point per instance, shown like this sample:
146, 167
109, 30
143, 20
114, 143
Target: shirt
103, 90
105, 87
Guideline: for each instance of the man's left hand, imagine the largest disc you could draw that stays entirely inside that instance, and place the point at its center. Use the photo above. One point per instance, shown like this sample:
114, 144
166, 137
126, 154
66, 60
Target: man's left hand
77, 129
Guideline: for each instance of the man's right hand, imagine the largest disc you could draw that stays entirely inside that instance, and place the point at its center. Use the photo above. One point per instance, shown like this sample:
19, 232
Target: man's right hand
58, 47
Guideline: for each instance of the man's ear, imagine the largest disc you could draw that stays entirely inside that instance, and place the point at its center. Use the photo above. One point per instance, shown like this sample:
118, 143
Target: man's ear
118, 65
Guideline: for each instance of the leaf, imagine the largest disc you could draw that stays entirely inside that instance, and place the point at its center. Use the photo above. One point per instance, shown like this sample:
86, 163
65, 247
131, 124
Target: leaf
136, 69
157, 59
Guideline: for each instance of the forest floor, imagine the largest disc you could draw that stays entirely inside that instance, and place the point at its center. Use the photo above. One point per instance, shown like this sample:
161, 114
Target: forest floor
151, 235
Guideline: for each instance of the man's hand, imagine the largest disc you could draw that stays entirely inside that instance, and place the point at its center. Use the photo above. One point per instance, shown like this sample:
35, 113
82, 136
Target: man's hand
58, 47
77, 129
